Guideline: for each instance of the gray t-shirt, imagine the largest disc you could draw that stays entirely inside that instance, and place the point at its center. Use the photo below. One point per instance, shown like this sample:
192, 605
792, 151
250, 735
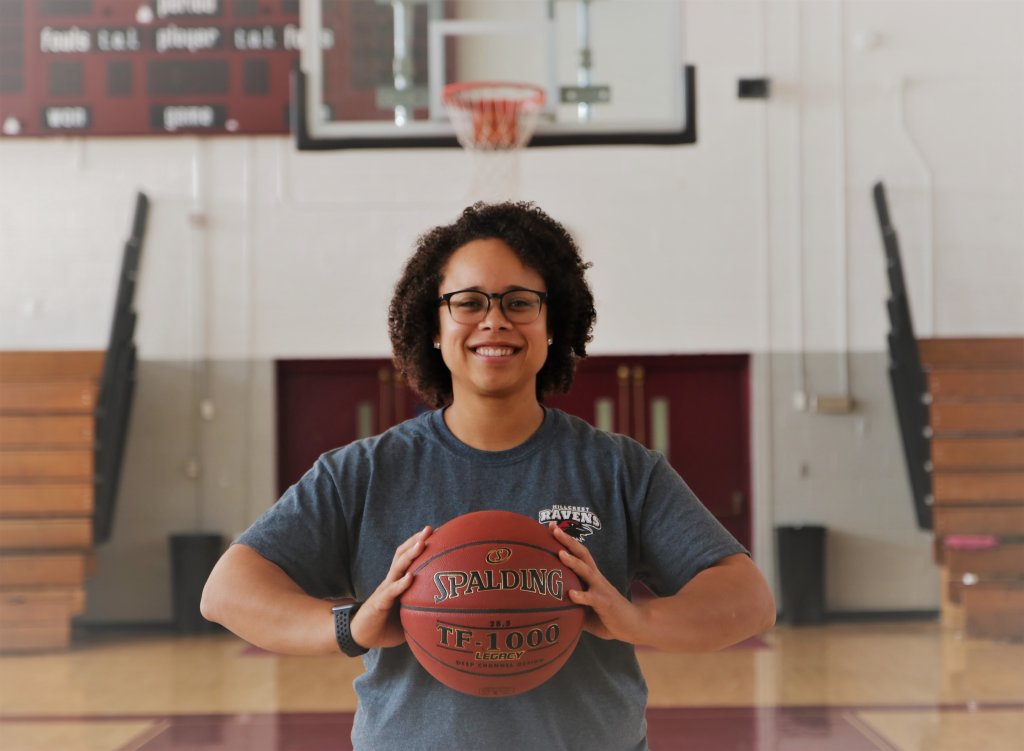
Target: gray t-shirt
336, 530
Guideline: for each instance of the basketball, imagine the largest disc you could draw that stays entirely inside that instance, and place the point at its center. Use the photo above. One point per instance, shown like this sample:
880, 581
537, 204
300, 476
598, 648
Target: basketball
488, 612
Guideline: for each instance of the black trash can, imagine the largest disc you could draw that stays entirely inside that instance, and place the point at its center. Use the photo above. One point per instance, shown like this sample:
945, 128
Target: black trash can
192, 559
801, 554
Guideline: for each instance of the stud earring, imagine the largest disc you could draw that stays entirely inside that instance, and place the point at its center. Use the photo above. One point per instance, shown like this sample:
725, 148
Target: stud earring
550, 342
437, 345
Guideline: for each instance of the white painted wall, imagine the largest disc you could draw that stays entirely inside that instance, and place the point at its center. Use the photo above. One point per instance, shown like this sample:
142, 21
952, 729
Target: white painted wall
760, 238
723, 227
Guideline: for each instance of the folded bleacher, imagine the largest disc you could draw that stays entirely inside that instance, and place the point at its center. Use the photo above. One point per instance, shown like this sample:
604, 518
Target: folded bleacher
960, 408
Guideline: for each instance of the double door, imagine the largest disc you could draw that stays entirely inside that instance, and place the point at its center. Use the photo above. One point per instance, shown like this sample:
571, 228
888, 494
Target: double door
692, 408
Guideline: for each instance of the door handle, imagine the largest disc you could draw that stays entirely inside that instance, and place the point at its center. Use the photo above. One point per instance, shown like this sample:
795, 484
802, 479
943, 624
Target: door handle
385, 399
737, 502
639, 406
399, 397
623, 417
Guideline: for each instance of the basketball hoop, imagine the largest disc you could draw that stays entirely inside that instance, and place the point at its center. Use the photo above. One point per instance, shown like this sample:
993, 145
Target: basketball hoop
493, 122
490, 116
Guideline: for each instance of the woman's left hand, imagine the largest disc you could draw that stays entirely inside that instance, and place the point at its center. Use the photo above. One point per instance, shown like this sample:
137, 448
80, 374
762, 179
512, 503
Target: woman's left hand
609, 615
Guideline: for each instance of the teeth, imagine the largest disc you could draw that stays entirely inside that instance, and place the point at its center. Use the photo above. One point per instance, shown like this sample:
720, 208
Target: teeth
495, 351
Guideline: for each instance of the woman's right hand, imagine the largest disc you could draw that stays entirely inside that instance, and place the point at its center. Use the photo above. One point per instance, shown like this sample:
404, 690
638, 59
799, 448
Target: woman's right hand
377, 623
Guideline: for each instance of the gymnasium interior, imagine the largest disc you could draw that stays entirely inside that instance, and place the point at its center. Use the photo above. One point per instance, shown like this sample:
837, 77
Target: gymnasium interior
805, 220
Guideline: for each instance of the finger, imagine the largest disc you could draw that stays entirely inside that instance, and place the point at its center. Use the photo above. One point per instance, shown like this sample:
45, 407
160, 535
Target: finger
586, 598
407, 553
582, 564
576, 547
399, 577
602, 603
419, 542
579, 567
387, 595
413, 540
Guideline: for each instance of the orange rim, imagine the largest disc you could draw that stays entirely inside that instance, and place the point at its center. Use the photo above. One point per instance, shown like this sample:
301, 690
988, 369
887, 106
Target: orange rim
454, 94
502, 121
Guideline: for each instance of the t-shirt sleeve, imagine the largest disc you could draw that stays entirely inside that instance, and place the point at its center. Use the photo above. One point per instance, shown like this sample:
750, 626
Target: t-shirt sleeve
306, 535
679, 537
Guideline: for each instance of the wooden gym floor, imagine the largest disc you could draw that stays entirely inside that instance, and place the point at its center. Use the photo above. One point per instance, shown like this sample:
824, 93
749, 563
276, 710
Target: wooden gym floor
895, 686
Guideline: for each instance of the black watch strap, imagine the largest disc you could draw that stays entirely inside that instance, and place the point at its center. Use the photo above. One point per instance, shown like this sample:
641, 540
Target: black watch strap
343, 615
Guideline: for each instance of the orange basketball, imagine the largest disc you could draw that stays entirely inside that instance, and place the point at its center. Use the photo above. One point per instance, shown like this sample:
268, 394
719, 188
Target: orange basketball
488, 612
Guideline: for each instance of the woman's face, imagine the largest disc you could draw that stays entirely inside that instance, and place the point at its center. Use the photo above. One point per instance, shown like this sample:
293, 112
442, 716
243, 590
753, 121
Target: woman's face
493, 357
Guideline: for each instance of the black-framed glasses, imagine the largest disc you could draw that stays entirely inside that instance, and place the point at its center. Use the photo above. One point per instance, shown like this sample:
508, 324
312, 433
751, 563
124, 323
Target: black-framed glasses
472, 305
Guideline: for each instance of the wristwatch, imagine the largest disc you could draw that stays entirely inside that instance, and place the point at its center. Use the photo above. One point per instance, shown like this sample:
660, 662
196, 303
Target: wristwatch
343, 615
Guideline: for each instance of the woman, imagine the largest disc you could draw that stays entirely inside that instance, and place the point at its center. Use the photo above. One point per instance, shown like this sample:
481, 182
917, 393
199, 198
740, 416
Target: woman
489, 316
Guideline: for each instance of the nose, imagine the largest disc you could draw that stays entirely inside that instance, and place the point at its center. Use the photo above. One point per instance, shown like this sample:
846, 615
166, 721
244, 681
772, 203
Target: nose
495, 317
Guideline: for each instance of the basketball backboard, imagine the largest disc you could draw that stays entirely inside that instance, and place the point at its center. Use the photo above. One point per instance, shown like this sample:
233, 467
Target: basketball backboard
613, 70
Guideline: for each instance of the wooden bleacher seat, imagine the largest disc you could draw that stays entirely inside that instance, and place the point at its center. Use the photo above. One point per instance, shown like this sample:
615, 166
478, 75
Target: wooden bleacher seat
976, 390
47, 443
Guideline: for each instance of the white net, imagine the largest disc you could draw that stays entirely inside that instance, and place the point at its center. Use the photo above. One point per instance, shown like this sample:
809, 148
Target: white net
493, 122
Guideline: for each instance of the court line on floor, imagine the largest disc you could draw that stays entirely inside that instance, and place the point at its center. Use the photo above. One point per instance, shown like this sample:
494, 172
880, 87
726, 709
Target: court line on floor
968, 706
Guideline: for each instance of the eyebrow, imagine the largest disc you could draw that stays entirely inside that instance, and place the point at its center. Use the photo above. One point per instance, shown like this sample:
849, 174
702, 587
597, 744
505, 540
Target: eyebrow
509, 288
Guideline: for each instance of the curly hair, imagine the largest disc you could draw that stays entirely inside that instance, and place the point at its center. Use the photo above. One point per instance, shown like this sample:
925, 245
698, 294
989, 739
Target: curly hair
542, 244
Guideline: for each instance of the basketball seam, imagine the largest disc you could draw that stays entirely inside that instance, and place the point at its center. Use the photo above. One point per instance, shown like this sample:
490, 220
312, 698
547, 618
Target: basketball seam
516, 627
447, 551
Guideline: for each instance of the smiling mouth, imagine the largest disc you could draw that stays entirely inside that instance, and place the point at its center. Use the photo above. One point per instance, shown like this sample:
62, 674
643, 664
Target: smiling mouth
495, 351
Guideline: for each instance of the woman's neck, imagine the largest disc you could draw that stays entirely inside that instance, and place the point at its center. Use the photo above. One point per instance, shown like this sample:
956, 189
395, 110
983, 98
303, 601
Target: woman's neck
493, 424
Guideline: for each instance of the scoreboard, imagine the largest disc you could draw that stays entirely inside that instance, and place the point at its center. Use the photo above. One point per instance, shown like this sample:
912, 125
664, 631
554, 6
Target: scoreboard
145, 67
